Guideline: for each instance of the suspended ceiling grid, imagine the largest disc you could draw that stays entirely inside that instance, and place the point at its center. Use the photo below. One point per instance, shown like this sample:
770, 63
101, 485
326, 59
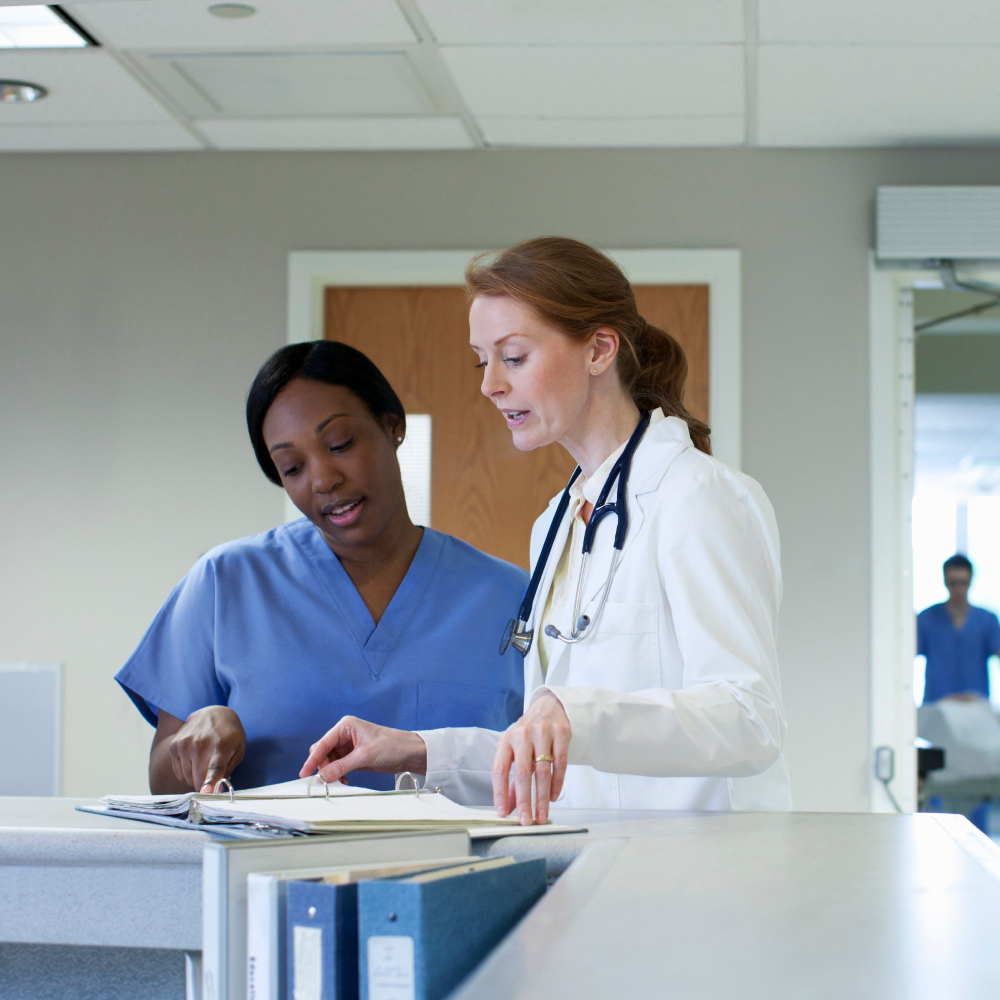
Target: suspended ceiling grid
456, 74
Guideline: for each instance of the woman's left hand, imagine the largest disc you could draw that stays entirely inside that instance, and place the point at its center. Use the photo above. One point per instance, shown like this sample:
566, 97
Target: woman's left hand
543, 731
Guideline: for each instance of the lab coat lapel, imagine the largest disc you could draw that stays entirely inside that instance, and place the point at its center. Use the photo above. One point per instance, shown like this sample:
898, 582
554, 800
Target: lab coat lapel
661, 444
532, 664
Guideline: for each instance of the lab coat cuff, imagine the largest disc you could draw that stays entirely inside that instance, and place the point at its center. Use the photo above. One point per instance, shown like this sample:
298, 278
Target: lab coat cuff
460, 763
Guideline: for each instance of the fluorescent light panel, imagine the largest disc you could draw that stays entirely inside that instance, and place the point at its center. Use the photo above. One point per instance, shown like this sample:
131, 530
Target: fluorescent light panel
37, 27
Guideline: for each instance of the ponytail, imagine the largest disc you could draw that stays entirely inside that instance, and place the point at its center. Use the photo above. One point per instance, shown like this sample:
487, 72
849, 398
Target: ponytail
579, 289
660, 370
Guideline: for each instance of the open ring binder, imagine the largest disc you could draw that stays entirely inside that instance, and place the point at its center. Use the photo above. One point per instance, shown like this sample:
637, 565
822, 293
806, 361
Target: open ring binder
224, 785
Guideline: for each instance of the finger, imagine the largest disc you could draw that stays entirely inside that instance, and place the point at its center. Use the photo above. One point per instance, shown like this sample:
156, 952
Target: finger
524, 769
177, 763
322, 750
543, 784
180, 757
560, 750
336, 770
502, 801
214, 772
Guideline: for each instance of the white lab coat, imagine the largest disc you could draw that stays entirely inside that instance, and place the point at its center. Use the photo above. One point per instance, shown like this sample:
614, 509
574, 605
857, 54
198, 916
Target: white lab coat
675, 701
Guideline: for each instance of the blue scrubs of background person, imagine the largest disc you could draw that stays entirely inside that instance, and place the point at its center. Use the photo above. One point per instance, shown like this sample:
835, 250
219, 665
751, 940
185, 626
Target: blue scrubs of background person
351, 610
957, 638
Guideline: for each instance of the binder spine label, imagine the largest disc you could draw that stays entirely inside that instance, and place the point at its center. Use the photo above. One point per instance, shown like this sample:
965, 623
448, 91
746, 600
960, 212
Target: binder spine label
307, 944
391, 973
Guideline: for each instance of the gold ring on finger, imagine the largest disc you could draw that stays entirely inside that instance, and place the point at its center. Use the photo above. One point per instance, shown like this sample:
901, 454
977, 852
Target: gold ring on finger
545, 757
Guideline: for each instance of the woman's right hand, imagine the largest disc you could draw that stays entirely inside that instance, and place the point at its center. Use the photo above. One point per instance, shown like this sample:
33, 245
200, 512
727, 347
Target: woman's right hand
356, 745
207, 747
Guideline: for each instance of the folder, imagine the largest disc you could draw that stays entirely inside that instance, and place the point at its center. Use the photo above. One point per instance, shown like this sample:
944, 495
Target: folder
323, 941
227, 863
322, 926
267, 916
421, 935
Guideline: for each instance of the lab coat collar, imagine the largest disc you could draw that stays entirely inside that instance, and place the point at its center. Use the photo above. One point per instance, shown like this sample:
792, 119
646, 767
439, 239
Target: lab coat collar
663, 442
660, 445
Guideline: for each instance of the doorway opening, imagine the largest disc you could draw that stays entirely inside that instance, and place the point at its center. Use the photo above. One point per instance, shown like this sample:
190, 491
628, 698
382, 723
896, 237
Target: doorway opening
956, 512
906, 303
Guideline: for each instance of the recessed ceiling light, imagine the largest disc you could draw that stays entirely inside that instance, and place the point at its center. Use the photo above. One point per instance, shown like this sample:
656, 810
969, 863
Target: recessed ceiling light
40, 27
232, 10
20, 92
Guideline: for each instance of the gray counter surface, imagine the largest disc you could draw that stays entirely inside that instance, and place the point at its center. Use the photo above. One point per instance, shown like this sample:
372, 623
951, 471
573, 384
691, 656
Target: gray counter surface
795, 905
649, 904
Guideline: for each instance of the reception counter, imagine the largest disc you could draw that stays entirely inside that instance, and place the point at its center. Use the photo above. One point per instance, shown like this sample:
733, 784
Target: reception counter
702, 906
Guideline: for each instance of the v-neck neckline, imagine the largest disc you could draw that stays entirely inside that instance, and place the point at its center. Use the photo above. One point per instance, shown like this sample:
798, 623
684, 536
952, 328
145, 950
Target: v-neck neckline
376, 641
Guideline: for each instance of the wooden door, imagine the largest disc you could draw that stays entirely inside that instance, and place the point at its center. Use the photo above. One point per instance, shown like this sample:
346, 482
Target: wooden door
483, 489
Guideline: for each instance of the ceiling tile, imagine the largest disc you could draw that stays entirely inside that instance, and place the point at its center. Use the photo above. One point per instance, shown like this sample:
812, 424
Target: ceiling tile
892, 22
299, 83
861, 95
186, 24
96, 137
337, 133
599, 81
85, 85
575, 21
617, 132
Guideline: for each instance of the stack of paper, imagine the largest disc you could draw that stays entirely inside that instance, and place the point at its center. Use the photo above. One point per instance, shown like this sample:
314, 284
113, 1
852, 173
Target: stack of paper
150, 805
306, 806
179, 805
347, 812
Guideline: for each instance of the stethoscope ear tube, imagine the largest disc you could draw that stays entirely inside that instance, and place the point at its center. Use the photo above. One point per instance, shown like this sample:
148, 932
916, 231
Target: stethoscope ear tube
517, 633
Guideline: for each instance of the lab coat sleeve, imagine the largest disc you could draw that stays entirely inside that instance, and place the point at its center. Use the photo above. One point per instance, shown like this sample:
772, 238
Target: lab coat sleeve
460, 762
718, 563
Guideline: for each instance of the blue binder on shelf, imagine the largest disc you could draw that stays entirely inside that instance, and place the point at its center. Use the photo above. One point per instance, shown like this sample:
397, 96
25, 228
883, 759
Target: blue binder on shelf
420, 936
322, 941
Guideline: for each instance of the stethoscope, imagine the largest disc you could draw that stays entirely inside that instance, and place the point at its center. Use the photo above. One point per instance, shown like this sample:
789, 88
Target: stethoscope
517, 633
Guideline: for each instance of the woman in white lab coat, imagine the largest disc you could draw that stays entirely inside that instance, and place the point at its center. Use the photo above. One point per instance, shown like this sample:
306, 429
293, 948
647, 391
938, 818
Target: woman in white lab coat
673, 700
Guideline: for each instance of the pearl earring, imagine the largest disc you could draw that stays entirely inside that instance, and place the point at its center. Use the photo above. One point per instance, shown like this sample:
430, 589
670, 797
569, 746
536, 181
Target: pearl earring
594, 370
399, 440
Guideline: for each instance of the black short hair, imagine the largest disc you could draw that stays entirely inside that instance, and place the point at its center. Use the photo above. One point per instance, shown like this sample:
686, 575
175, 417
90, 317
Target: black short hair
957, 561
322, 361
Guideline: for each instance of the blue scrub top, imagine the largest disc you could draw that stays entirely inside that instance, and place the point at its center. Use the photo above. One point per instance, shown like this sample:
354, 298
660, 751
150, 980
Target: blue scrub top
956, 658
273, 627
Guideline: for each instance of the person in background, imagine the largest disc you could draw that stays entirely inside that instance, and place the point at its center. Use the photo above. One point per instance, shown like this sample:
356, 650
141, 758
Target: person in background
957, 638
351, 609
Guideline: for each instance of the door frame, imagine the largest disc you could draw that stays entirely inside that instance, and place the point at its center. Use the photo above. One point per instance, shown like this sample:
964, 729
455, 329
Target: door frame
309, 272
893, 624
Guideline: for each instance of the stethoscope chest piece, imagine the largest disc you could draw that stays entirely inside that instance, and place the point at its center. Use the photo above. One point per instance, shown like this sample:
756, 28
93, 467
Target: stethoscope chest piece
518, 635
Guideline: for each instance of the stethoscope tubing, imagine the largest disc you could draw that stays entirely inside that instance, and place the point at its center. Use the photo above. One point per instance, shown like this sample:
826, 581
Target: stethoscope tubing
517, 632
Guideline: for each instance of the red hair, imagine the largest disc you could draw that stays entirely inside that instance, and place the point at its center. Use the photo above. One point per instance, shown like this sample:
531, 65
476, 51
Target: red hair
578, 289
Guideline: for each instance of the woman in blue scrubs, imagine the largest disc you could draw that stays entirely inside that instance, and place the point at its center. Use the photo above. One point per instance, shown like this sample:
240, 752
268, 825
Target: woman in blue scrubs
350, 610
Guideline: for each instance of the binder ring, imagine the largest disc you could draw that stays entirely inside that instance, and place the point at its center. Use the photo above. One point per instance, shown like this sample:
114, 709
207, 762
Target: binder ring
413, 778
228, 784
322, 781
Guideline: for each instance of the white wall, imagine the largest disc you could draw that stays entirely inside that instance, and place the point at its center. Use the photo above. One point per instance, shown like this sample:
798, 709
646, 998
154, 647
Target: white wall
139, 293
